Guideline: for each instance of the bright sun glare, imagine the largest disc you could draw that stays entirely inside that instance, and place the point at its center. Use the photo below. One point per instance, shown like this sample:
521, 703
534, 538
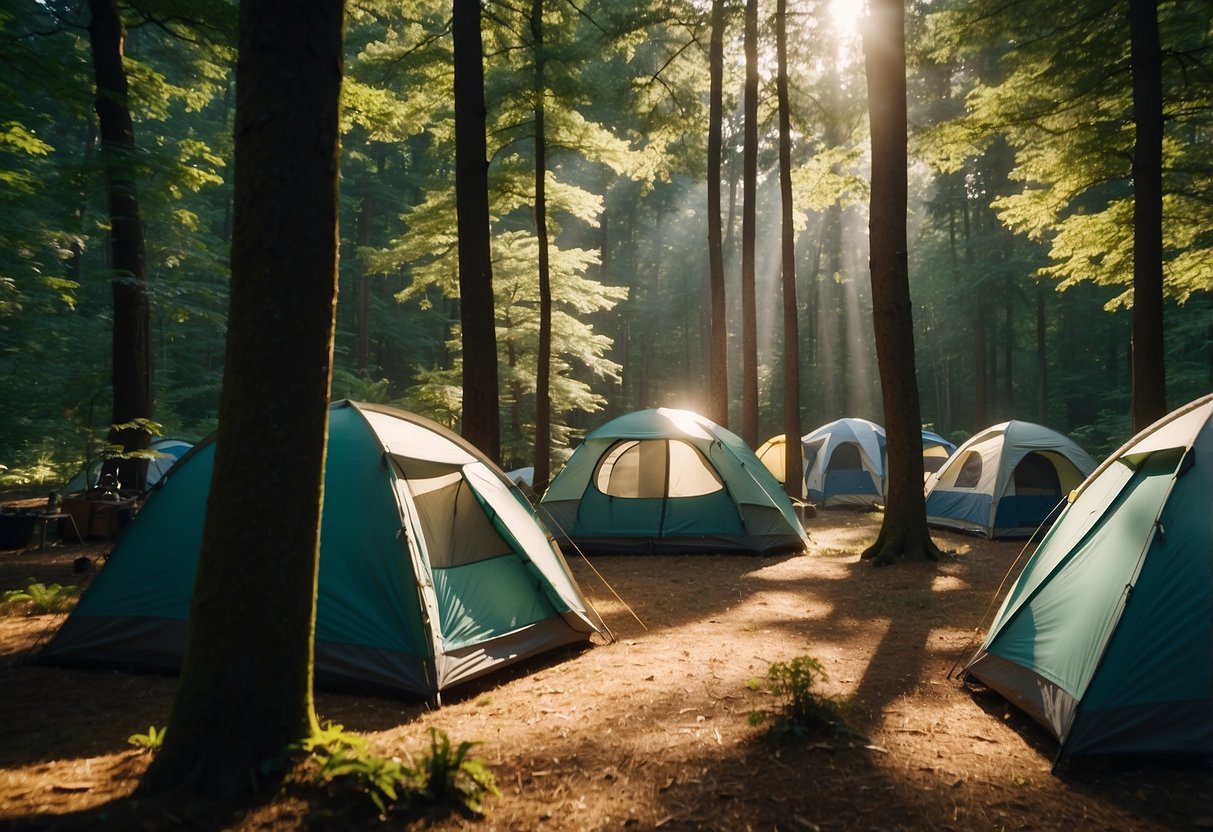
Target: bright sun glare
844, 16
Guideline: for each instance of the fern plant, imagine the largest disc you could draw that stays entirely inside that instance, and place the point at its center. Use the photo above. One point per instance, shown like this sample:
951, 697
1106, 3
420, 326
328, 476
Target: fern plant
39, 597
151, 741
448, 775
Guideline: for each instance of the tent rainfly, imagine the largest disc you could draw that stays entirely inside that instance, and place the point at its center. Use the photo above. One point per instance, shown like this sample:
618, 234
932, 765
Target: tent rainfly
432, 569
844, 464
1106, 638
666, 480
1005, 481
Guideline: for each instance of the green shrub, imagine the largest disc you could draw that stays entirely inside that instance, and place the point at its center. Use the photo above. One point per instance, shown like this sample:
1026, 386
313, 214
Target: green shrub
805, 712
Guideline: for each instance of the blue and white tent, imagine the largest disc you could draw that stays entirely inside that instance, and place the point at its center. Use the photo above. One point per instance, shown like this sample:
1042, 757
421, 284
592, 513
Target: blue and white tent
1006, 481
844, 464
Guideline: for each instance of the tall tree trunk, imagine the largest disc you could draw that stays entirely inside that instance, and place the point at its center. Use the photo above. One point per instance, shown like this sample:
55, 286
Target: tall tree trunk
1042, 359
362, 319
1008, 349
481, 419
791, 317
718, 372
1149, 364
543, 404
749, 175
903, 534
245, 692
131, 354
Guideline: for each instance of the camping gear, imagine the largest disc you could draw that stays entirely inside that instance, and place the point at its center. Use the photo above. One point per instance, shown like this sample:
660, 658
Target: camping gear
432, 569
935, 452
1106, 638
167, 452
844, 464
666, 480
1006, 481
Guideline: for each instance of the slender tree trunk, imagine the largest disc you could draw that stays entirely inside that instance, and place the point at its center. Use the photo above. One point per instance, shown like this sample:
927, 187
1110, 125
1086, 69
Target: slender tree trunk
131, 356
543, 404
481, 419
362, 320
903, 534
1008, 349
791, 317
1042, 359
245, 693
749, 313
1149, 364
718, 373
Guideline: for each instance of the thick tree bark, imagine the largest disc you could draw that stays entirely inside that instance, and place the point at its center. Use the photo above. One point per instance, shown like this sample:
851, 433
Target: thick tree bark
1149, 364
131, 354
245, 692
749, 187
903, 534
791, 328
543, 374
718, 367
481, 423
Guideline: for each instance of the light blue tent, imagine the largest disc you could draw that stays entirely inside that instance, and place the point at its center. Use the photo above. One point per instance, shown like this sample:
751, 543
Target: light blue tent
1106, 638
666, 480
1006, 481
844, 464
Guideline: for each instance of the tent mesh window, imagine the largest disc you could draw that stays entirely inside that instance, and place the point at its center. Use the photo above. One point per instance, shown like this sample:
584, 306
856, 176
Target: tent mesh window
647, 468
970, 471
1035, 474
846, 456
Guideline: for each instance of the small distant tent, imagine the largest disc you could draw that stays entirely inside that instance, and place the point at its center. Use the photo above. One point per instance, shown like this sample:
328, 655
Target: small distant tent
167, 451
1106, 638
935, 452
432, 569
1005, 481
844, 464
666, 480
772, 454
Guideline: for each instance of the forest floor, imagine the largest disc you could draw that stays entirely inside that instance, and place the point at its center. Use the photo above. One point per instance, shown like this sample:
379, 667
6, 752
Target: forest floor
654, 729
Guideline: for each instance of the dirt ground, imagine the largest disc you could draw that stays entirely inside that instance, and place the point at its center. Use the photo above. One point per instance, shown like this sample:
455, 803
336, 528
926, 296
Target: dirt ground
651, 731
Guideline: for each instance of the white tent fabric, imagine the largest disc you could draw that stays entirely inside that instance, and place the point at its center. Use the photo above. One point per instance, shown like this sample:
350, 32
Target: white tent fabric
1006, 480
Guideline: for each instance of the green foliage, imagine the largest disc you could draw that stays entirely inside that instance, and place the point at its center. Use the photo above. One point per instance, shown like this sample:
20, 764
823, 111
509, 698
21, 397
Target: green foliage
39, 598
805, 713
445, 777
450, 776
151, 741
1061, 97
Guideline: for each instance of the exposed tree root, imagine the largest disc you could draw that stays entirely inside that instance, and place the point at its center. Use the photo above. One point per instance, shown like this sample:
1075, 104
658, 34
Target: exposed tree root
895, 546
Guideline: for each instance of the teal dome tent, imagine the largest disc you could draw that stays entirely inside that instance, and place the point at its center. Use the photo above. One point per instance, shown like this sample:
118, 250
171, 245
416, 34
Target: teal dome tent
1106, 638
432, 569
666, 480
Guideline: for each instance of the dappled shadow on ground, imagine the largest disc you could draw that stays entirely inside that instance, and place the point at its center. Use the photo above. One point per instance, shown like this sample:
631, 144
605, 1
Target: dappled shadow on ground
653, 731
